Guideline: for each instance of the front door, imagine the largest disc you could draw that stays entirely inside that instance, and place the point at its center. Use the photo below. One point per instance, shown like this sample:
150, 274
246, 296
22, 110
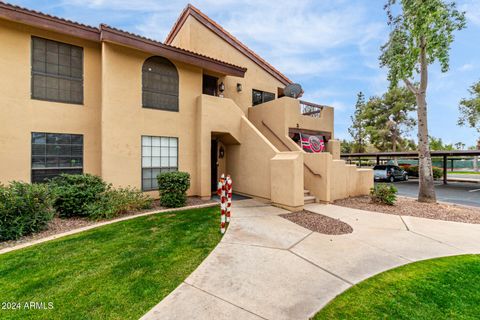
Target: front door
209, 85
214, 164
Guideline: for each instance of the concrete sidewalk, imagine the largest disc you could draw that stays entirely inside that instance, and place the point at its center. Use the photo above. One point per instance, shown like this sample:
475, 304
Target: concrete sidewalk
267, 267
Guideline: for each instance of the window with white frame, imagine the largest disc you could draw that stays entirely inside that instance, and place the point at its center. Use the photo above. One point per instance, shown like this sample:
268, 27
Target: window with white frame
159, 154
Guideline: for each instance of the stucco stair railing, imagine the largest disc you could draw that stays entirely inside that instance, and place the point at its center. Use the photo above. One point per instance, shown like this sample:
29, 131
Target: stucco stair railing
257, 167
325, 176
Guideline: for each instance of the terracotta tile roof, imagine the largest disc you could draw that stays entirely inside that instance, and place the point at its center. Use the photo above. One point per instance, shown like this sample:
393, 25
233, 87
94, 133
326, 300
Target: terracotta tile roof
36, 18
191, 10
158, 43
57, 24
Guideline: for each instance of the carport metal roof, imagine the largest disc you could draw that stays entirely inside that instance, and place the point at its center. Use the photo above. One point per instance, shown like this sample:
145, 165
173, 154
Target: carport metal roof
414, 154
439, 153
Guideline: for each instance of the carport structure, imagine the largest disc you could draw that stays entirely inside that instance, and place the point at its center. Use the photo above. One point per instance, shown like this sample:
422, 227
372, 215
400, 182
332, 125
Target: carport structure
445, 154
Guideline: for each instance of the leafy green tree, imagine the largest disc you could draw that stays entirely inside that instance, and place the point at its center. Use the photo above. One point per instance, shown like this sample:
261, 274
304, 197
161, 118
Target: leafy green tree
346, 146
421, 34
357, 129
388, 119
470, 109
436, 144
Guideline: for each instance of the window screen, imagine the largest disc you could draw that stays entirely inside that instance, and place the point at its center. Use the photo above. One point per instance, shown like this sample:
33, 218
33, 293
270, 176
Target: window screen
56, 153
261, 97
159, 84
57, 71
159, 154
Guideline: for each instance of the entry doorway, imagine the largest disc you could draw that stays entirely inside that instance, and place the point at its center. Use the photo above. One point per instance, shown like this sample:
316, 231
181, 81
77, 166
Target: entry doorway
214, 164
209, 85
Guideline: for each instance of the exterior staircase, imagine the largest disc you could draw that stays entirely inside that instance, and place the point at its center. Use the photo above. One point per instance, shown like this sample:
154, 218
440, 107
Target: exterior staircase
307, 197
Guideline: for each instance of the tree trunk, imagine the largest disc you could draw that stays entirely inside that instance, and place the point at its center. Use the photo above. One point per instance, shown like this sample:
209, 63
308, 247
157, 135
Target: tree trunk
426, 190
394, 146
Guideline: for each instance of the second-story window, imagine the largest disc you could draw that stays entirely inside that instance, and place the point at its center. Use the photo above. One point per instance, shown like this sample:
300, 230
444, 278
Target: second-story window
261, 97
57, 71
159, 84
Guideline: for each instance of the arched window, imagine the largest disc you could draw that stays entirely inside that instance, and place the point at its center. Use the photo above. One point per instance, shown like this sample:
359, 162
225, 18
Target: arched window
159, 84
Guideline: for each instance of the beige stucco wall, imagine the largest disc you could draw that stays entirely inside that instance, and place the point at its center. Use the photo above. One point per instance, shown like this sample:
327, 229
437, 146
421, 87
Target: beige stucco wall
196, 37
124, 120
286, 171
112, 120
257, 168
20, 115
282, 114
325, 176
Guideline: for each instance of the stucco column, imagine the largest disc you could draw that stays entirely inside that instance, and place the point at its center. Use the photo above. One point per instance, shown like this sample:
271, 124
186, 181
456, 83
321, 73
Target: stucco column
203, 151
333, 146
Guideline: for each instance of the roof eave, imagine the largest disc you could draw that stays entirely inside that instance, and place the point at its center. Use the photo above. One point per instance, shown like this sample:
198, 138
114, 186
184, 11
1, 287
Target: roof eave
42, 21
115, 36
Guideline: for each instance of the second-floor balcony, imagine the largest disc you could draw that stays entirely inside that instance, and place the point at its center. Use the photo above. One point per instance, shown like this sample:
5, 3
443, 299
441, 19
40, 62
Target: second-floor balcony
311, 109
288, 113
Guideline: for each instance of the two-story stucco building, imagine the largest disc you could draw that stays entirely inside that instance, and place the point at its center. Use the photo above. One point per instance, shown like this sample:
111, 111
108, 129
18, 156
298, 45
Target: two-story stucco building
76, 98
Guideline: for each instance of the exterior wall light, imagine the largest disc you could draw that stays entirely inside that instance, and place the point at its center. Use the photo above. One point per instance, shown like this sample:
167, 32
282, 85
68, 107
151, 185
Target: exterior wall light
221, 87
239, 87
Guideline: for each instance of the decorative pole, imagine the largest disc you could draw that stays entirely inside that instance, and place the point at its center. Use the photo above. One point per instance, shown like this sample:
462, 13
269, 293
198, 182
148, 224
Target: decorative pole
229, 196
223, 201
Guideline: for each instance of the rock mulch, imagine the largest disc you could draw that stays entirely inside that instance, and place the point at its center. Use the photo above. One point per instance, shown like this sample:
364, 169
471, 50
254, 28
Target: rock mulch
411, 207
318, 223
58, 225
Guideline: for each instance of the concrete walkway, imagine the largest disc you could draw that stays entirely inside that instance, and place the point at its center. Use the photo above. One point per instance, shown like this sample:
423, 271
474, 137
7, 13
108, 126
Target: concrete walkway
267, 267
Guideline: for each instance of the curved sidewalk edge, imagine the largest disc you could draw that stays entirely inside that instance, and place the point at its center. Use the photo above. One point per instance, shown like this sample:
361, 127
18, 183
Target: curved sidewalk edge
266, 267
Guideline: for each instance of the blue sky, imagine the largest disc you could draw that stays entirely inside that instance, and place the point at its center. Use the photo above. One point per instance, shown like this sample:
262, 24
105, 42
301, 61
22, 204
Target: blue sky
330, 47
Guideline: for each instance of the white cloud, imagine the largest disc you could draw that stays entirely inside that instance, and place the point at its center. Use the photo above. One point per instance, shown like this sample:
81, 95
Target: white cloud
466, 67
337, 105
300, 38
299, 66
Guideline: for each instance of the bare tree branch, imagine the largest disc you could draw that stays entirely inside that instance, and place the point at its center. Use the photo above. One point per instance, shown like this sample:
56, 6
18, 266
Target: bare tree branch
410, 86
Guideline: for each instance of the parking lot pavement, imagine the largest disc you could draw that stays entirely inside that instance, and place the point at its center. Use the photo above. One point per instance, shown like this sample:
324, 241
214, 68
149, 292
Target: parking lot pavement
454, 192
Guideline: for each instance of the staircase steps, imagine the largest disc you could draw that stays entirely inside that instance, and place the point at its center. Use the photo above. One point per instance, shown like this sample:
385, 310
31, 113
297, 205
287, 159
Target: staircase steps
307, 198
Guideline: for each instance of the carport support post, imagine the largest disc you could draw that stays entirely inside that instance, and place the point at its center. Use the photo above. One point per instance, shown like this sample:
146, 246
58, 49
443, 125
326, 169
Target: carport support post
378, 160
445, 169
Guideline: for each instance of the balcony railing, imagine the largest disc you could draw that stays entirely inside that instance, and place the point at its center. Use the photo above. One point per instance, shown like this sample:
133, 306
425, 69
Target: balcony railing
311, 109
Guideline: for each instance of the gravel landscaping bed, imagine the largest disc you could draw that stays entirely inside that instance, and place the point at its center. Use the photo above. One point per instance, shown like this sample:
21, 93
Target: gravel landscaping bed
318, 223
411, 207
58, 225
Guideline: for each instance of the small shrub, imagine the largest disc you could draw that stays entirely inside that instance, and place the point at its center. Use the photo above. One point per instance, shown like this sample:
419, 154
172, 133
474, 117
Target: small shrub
413, 171
173, 187
384, 193
437, 173
113, 202
74, 192
24, 209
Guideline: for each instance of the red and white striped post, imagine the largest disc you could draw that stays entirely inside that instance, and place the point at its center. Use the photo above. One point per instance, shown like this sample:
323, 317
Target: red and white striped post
229, 196
221, 191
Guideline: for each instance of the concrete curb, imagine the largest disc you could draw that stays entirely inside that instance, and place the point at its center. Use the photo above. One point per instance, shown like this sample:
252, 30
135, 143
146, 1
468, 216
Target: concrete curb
100, 224
444, 202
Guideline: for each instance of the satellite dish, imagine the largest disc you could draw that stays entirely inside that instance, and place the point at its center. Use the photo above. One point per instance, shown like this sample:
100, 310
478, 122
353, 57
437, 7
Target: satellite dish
293, 90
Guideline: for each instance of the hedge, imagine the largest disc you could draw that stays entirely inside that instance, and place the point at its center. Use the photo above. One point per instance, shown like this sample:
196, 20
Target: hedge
24, 209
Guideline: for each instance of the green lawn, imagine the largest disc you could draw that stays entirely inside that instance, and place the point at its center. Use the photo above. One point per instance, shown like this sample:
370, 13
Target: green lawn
463, 172
444, 288
118, 271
